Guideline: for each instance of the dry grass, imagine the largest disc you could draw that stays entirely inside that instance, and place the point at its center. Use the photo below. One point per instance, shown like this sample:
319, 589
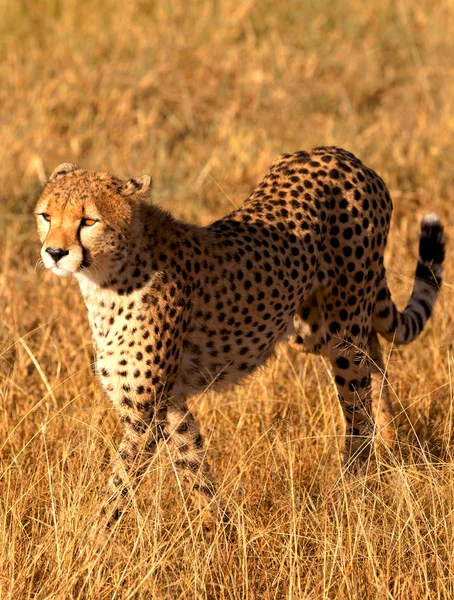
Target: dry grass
204, 95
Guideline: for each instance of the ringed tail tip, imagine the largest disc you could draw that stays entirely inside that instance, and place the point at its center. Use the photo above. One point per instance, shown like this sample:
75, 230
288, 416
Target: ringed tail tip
432, 241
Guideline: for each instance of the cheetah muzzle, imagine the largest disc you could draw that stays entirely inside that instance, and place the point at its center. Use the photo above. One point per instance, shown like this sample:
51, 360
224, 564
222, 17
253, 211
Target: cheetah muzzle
176, 308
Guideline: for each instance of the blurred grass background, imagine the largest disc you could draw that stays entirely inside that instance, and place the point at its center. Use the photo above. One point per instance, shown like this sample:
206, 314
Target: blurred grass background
203, 95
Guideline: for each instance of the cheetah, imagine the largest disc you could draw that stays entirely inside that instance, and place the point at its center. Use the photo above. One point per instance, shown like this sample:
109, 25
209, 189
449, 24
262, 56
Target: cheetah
176, 308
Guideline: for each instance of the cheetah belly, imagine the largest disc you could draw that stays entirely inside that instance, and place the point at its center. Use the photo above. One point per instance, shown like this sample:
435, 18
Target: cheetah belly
209, 363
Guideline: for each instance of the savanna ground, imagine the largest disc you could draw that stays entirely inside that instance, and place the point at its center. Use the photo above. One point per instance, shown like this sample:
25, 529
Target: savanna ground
204, 95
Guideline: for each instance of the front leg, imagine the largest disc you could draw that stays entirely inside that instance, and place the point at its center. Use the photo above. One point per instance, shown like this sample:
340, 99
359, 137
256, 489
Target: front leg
176, 425
138, 363
187, 446
134, 454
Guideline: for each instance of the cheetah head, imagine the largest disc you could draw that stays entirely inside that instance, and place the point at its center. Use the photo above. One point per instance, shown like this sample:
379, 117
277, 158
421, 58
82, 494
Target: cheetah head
85, 218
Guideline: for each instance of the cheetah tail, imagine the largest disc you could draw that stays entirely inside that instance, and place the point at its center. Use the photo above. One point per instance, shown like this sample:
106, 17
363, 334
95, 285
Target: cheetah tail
404, 327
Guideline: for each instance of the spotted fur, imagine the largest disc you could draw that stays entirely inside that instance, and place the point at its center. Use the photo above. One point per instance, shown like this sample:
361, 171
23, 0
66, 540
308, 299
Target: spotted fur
176, 308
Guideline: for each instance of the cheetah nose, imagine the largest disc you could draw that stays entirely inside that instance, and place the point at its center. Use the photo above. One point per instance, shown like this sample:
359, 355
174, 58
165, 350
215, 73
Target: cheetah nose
57, 253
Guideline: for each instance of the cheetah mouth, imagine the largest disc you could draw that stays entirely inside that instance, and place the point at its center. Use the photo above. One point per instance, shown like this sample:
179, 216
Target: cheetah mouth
60, 271
84, 264
65, 271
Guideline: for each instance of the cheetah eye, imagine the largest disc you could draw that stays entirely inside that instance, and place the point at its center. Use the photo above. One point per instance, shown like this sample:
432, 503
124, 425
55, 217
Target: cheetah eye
46, 217
86, 222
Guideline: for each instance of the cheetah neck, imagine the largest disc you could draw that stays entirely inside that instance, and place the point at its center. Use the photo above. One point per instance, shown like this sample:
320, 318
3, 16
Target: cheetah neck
131, 271
120, 272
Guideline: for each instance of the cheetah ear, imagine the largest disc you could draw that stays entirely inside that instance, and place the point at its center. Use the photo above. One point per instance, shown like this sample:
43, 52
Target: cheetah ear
62, 170
139, 186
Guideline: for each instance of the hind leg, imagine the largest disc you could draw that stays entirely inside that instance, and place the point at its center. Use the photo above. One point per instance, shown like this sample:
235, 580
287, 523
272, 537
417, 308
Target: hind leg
348, 349
310, 334
346, 337
381, 402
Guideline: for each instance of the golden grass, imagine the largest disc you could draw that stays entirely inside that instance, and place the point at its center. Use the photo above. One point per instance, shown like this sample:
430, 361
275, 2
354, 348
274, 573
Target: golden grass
204, 95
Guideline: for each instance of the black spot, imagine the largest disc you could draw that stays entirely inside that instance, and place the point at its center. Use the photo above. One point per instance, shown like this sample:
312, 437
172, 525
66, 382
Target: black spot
359, 276
334, 327
339, 380
342, 362
353, 385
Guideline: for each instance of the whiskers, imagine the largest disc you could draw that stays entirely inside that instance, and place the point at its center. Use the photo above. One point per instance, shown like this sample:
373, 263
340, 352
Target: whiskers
39, 265
94, 270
